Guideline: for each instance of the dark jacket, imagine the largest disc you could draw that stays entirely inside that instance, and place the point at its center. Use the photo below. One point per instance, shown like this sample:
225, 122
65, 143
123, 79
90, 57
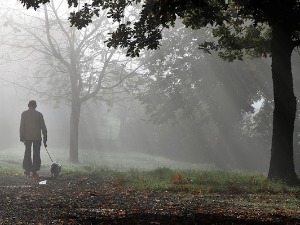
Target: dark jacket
31, 126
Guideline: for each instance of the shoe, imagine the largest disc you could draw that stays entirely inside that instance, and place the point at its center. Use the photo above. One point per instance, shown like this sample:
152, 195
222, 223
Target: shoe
26, 172
35, 175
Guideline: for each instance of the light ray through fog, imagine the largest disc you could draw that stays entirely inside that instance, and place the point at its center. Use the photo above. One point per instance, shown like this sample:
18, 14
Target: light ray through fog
230, 99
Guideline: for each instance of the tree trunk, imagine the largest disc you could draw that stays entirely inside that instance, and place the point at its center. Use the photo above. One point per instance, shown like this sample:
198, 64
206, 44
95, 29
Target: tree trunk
123, 122
281, 163
74, 128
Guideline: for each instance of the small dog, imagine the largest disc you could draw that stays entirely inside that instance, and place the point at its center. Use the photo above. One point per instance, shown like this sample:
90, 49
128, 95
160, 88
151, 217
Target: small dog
55, 169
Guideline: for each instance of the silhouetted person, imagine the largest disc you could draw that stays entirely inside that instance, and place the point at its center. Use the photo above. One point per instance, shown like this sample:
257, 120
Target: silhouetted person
31, 126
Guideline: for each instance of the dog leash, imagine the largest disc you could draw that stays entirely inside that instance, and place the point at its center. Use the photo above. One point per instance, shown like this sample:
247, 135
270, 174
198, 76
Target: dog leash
48, 154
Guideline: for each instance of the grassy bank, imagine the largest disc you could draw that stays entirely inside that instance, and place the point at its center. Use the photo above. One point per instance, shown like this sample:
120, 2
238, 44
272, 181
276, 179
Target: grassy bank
167, 179
227, 182
141, 171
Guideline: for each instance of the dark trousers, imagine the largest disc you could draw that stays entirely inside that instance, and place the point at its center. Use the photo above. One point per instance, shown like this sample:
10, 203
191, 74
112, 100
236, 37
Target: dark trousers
35, 163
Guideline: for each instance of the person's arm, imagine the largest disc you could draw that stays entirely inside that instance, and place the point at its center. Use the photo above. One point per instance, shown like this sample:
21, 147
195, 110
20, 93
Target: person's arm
44, 131
22, 128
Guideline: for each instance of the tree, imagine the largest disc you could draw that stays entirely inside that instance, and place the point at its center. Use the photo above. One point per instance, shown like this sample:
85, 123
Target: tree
284, 38
76, 63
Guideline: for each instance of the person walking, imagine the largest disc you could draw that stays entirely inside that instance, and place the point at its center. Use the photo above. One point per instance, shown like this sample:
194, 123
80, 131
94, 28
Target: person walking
31, 127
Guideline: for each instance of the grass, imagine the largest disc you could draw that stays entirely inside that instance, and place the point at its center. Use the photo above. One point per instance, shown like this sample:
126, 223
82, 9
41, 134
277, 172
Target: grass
140, 171
230, 191
166, 179
204, 182
9, 169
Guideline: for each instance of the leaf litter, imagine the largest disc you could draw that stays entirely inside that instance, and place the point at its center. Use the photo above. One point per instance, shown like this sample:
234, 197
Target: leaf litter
99, 200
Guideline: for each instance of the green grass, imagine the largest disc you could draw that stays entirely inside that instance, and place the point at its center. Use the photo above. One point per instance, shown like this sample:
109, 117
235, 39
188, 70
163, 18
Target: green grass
204, 181
9, 169
140, 171
236, 189
166, 179
174, 180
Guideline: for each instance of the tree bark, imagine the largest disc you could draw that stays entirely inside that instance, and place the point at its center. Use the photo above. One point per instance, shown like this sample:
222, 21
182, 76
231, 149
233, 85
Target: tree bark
282, 163
74, 130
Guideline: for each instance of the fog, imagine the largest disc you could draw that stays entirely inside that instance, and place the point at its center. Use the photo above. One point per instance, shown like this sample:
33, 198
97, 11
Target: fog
182, 108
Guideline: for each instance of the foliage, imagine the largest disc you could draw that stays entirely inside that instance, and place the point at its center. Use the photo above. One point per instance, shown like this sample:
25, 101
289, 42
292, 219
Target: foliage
227, 17
236, 42
33, 3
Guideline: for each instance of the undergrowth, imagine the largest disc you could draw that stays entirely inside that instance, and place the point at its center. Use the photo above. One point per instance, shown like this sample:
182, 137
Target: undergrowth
187, 180
164, 178
205, 181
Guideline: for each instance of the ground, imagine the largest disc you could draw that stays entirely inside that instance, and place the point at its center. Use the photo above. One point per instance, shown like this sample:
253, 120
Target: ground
99, 200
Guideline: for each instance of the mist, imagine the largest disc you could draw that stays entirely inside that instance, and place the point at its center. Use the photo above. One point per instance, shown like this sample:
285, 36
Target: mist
180, 108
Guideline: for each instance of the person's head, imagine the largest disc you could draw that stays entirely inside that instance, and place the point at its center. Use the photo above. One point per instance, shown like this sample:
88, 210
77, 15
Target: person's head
32, 104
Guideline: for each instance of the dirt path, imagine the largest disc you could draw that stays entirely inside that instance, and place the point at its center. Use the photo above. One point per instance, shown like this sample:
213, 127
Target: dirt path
96, 200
